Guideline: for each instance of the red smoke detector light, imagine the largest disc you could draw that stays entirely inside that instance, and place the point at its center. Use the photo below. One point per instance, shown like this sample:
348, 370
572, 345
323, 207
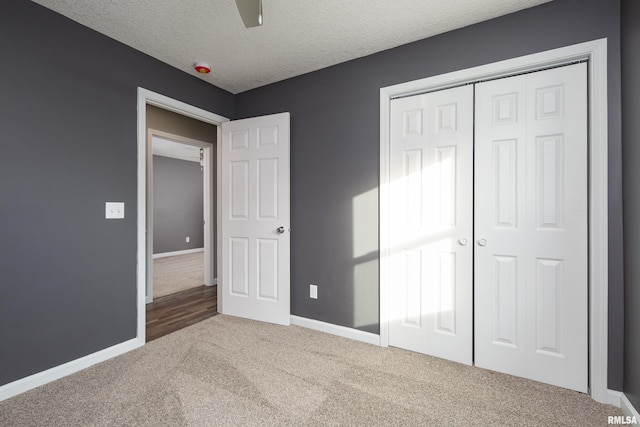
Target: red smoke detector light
202, 68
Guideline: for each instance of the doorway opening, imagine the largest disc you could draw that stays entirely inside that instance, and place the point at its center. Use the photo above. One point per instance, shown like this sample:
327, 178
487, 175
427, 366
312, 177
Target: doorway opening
148, 129
179, 188
181, 272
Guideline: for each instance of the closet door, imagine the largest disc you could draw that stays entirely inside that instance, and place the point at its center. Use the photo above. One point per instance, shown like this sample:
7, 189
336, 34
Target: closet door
531, 226
431, 216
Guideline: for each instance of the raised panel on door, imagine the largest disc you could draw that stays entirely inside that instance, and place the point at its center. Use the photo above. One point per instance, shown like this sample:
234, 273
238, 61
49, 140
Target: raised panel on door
431, 224
239, 266
255, 220
267, 269
531, 226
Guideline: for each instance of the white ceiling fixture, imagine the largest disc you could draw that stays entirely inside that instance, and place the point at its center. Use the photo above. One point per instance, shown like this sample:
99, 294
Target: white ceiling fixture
297, 36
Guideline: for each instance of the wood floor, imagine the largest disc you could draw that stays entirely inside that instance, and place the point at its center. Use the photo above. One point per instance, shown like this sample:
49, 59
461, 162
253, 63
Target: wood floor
173, 312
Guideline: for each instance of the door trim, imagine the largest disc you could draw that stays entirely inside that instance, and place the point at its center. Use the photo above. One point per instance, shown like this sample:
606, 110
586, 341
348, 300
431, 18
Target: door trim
595, 52
145, 97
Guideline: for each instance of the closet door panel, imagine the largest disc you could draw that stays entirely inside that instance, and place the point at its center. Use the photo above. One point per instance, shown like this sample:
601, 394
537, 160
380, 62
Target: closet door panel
500, 225
531, 226
431, 224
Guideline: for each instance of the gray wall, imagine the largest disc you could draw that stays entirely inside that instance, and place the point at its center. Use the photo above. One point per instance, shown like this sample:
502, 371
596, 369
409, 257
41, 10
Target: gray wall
69, 143
177, 205
631, 150
335, 152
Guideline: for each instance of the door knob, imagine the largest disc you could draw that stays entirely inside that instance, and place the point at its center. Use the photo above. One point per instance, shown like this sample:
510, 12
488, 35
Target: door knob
482, 242
280, 230
462, 242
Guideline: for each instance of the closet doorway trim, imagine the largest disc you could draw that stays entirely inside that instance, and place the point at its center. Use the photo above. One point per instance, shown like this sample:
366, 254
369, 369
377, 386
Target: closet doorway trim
595, 53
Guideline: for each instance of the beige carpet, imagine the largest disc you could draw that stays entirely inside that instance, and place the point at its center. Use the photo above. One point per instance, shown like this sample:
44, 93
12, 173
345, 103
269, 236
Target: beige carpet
177, 273
230, 371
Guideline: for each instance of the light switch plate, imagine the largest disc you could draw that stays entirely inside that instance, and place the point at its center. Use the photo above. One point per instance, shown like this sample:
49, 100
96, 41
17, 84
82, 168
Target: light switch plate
114, 210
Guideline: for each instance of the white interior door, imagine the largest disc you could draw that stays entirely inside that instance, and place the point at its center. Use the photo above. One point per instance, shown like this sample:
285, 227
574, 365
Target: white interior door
255, 218
431, 221
531, 226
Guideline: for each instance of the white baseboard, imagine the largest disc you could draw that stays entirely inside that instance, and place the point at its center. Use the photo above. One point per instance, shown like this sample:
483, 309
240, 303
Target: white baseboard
176, 253
628, 408
340, 331
613, 398
618, 399
215, 282
57, 372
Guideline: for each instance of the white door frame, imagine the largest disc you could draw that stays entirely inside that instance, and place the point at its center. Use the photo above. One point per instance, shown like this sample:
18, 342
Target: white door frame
148, 97
595, 52
207, 163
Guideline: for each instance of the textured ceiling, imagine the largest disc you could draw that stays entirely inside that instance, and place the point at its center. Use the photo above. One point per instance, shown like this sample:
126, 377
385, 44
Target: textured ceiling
298, 36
